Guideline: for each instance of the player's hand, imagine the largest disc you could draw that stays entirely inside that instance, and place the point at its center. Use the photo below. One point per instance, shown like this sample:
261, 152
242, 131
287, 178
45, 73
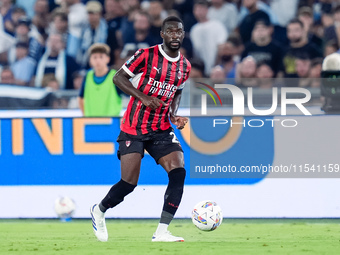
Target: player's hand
152, 102
179, 121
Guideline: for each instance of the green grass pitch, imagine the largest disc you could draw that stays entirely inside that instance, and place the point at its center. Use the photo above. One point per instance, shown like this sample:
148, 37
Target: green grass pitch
234, 236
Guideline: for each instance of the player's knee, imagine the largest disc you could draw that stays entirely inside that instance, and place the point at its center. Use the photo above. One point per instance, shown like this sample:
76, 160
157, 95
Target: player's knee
176, 181
177, 175
174, 192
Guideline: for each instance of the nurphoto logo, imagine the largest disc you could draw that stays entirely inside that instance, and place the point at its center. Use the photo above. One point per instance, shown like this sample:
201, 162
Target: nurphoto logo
238, 108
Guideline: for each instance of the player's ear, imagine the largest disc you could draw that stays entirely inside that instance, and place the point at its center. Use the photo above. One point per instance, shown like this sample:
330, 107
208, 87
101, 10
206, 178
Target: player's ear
162, 34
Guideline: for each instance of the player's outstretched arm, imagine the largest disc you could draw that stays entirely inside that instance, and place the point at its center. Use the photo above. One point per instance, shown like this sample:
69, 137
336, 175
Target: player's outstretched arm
177, 120
121, 79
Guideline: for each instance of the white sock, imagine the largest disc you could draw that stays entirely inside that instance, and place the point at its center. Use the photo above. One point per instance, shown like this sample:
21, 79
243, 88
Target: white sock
162, 228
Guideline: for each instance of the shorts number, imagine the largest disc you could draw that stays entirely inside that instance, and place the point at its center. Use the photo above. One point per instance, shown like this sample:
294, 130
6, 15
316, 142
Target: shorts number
174, 137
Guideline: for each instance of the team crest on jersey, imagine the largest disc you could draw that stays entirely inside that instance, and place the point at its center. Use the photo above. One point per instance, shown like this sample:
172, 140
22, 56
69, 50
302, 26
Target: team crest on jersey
179, 74
127, 143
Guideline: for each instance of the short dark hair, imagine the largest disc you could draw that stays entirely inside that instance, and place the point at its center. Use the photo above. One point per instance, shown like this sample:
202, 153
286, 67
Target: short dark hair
316, 61
17, 9
263, 22
295, 21
171, 19
263, 63
202, 2
235, 40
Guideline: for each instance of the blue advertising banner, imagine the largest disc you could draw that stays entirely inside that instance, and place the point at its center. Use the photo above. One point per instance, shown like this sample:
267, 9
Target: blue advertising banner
83, 151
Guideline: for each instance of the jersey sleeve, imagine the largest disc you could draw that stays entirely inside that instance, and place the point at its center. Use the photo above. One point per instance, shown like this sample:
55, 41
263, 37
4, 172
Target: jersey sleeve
186, 75
134, 65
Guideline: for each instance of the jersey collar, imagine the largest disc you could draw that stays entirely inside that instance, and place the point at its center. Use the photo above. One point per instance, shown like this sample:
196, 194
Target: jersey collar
167, 56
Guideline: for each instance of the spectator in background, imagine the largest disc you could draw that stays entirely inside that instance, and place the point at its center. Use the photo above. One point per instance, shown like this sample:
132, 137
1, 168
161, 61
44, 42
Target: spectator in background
332, 32
263, 48
7, 42
50, 82
315, 73
303, 67
59, 24
40, 21
16, 14
157, 15
77, 16
27, 5
57, 62
99, 96
247, 24
224, 12
326, 19
206, 35
7, 76
246, 72
284, 10
305, 15
114, 14
6, 9
299, 47
24, 66
94, 32
264, 71
140, 36
330, 48
22, 35
185, 9
78, 78
217, 75
1, 24
77, 19
265, 75
229, 55
131, 7
197, 69
262, 5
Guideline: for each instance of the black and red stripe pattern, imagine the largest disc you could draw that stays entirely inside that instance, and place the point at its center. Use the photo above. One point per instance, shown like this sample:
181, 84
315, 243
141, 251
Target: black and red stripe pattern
158, 75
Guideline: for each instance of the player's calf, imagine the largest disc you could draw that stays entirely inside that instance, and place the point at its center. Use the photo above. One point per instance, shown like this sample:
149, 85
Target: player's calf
172, 199
116, 195
174, 191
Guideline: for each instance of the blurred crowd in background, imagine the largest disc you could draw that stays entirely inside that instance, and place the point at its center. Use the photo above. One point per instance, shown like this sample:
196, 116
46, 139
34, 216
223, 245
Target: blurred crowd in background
44, 43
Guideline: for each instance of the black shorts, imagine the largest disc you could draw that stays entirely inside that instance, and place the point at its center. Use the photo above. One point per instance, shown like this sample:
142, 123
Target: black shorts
158, 144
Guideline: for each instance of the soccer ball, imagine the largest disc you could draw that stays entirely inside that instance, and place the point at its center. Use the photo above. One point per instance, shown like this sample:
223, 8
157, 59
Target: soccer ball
207, 215
64, 207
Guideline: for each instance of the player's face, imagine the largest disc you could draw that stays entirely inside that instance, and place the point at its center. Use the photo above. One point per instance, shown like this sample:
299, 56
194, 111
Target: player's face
173, 35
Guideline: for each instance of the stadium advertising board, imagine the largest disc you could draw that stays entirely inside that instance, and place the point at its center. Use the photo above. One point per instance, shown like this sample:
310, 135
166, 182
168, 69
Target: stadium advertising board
278, 168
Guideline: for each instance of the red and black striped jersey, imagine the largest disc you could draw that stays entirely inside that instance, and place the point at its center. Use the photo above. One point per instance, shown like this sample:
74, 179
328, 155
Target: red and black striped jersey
155, 74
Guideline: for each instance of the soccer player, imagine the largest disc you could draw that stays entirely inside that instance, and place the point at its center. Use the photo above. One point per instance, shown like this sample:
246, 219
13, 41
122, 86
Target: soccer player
158, 75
